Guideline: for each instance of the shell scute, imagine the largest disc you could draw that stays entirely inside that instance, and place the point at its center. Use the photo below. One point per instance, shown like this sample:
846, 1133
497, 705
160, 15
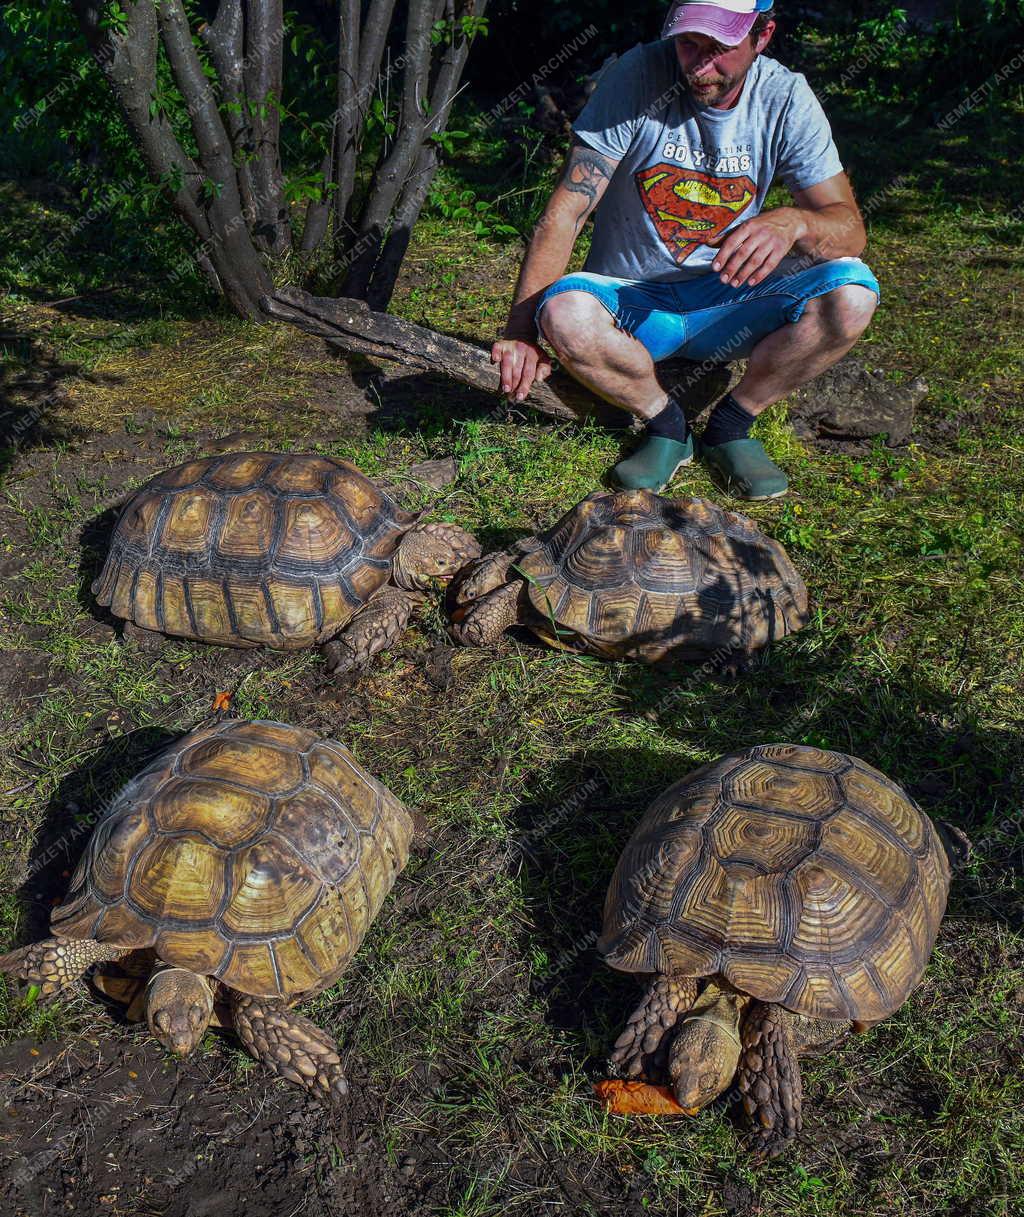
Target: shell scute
237, 471
320, 831
798, 875
248, 528
231, 858
269, 888
227, 816
273, 770
235, 549
177, 879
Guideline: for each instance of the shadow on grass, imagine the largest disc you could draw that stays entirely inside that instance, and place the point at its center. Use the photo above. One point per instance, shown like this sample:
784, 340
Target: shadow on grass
94, 545
71, 816
571, 835
31, 388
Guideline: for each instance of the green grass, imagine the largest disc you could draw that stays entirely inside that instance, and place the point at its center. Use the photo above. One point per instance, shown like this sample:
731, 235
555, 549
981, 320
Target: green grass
476, 1013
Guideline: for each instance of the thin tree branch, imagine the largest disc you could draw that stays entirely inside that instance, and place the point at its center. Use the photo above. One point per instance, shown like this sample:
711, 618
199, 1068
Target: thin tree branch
224, 39
371, 51
392, 172
402, 182
128, 61
347, 119
264, 35
385, 271
211, 137
230, 247
318, 210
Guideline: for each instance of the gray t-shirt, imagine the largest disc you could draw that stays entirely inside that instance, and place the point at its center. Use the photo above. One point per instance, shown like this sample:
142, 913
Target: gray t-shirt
689, 172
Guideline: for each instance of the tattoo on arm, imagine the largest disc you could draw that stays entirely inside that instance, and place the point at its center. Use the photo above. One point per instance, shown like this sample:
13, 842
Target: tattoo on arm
587, 173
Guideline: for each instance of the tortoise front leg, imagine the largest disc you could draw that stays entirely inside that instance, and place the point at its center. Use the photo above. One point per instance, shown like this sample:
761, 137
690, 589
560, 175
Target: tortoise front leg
55, 962
374, 628
290, 1044
641, 1051
483, 622
769, 1071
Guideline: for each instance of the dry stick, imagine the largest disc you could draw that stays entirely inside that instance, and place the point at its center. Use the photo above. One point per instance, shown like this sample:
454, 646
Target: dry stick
263, 77
351, 326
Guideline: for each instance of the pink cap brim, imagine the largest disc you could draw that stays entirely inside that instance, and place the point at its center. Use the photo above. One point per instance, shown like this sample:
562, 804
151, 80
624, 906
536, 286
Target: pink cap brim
727, 28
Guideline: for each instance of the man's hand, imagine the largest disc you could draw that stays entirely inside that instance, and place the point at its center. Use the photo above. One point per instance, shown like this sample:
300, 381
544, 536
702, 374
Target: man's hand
522, 362
750, 252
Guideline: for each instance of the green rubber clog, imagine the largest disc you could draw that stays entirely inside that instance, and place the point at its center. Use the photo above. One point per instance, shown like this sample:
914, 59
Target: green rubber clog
654, 463
743, 468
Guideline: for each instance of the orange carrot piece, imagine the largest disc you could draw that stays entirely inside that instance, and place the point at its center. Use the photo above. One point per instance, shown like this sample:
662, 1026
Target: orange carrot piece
639, 1099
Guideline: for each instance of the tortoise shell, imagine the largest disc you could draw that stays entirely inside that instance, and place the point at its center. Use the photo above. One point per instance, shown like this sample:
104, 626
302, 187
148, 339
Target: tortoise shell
637, 575
251, 549
802, 877
249, 851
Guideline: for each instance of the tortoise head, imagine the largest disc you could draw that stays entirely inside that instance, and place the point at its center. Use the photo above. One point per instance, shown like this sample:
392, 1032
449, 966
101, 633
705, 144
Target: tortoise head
705, 1052
179, 1006
432, 551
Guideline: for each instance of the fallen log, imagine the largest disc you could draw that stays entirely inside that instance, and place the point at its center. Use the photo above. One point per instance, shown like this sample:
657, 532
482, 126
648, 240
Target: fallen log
350, 325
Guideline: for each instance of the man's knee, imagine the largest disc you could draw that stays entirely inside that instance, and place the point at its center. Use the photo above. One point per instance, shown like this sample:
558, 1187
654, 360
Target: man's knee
844, 312
568, 320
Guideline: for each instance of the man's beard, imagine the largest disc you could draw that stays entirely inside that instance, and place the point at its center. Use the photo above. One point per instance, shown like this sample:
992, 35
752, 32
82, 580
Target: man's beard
706, 90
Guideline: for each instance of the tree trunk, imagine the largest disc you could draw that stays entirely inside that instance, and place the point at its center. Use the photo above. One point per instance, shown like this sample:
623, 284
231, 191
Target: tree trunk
231, 193
264, 38
206, 194
396, 184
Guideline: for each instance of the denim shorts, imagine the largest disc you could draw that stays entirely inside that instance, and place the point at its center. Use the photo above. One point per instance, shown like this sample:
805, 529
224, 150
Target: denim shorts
703, 318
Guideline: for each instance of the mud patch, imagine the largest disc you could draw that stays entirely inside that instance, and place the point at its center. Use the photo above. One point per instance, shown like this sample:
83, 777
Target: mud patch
115, 1127
24, 674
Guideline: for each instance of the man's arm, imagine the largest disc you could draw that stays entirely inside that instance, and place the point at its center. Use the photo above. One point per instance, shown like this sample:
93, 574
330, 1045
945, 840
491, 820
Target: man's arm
824, 223
584, 180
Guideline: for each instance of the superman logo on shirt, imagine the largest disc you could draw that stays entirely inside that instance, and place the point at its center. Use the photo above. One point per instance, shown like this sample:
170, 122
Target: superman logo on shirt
690, 208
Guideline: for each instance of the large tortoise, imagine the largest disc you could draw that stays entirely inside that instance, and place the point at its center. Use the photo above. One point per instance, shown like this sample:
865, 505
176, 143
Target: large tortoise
249, 858
269, 549
632, 575
775, 900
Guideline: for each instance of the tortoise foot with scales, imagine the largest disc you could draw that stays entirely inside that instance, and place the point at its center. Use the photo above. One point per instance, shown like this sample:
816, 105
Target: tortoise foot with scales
632, 575
245, 865
281, 550
774, 901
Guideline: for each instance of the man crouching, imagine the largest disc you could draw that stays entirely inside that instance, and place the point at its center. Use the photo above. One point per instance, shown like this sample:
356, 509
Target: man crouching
679, 144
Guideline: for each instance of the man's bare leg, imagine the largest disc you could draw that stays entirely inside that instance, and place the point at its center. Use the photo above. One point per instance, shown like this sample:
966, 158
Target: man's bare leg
791, 356
782, 361
611, 363
619, 368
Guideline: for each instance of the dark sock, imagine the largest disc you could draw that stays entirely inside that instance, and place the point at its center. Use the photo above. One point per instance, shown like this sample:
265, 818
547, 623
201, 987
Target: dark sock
670, 424
728, 421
